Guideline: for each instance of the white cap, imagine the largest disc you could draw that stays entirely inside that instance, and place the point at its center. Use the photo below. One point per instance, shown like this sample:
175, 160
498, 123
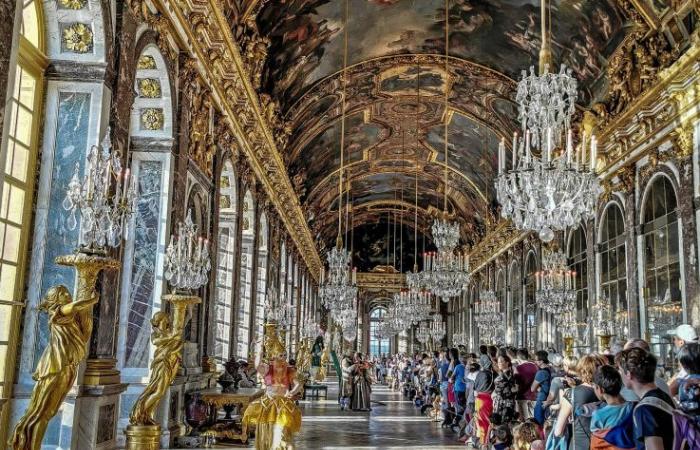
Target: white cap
685, 332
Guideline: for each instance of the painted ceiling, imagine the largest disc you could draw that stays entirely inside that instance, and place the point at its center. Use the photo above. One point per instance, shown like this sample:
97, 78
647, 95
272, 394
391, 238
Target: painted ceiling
395, 98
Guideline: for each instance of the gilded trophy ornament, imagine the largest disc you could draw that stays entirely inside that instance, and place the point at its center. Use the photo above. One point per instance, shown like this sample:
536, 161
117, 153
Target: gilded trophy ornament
70, 328
77, 38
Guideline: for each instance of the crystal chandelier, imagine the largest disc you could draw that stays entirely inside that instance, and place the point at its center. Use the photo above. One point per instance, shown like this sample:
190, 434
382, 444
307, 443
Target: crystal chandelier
437, 328
187, 261
459, 339
445, 272
488, 316
414, 306
423, 333
309, 330
555, 284
278, 310
548, 188
339, 286
339, 290
104, 214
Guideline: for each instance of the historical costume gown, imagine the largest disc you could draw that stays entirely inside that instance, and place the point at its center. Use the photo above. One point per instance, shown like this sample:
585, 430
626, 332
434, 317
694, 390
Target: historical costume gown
275, 415
361, 388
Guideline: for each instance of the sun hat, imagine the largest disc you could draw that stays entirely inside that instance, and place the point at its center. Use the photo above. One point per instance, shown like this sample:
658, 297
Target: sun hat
685, 332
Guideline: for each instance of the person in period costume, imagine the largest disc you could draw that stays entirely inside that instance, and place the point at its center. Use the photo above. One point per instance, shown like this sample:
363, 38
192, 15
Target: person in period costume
275, 415
346, 383
70, 326
361, 384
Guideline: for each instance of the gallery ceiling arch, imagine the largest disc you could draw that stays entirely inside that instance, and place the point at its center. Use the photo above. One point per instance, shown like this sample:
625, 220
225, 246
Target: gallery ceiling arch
395, 97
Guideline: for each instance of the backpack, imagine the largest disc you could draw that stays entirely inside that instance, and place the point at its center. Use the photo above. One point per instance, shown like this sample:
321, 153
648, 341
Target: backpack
686, 433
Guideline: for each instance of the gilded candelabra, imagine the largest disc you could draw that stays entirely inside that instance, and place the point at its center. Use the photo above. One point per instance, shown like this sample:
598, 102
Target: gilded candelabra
187, 264
104, 210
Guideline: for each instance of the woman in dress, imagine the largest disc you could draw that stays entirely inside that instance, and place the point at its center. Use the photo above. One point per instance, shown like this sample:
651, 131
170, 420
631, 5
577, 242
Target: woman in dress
346, 382
361, 385
505, 390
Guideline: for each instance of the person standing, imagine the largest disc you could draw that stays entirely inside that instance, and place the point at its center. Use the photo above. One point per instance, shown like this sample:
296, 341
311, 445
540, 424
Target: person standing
347, 366
541, 384
653, 422
361, 384
460, 389
682, 334
525, 371
505, 390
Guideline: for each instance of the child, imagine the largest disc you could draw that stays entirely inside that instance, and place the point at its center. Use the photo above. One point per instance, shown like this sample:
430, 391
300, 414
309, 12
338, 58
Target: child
689, 387
525, 434
501, 437
612, 424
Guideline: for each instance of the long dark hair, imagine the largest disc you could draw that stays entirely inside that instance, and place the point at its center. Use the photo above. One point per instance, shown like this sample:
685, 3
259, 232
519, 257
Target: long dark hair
454, 355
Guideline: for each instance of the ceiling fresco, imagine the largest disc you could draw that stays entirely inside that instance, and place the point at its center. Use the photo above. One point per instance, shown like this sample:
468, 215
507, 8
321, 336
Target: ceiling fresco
395, 89
307, 36
381, 244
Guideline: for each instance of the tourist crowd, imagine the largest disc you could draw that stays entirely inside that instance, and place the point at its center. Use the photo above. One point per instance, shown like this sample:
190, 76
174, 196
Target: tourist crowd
508, 398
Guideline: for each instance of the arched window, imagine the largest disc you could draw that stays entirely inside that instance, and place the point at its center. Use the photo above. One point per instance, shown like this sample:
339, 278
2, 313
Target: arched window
662, 303
531, 310
246, 279
19, 155
578, 264
226, 245
261, 284
516, 299
377, 346
613, 267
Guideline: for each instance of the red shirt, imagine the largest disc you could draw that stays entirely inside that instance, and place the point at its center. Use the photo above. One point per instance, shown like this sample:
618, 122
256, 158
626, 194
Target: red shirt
525, 375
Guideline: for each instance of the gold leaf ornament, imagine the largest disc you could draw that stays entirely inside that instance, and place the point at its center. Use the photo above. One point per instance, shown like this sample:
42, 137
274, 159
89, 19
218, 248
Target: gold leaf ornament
146, 62
78, 38
149, 88
73, 4
152, 119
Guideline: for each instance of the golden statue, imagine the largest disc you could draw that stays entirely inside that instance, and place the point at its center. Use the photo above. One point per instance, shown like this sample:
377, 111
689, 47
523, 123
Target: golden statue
303, 359
143, 432
70, 325
275, 415
166, 360
323, 370
70, 328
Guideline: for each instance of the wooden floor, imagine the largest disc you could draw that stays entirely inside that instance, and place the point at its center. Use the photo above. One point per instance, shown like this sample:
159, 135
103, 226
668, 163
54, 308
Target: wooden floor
393, 423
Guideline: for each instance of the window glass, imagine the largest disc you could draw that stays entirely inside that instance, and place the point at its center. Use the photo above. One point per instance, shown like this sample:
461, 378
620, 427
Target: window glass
377, 346
578, 264
613, 269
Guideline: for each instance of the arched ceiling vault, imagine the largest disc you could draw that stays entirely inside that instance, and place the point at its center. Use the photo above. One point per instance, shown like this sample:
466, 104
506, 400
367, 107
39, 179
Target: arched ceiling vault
395, 105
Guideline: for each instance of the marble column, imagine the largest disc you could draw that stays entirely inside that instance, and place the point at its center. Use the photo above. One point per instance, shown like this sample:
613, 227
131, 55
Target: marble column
252, 324
237, 266
688, 254
631, 231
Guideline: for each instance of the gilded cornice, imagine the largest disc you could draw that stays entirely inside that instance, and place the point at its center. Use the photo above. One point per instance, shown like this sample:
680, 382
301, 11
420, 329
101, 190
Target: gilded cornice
387, 281
207, 35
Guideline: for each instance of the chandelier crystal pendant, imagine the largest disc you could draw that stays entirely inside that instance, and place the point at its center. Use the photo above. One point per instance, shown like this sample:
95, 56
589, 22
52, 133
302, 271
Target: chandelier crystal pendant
276, 309
423, 333
555, 284
459, 339
550, 186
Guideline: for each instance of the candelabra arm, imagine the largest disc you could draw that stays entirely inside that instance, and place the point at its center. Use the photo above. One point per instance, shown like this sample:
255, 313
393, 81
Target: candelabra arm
58, 366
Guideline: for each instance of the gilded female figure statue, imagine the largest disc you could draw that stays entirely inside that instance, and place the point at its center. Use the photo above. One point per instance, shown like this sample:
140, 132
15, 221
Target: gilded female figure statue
168, 345
275, 415
70, 326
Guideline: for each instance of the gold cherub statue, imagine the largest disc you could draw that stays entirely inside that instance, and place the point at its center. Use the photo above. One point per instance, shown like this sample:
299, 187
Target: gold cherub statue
70, 326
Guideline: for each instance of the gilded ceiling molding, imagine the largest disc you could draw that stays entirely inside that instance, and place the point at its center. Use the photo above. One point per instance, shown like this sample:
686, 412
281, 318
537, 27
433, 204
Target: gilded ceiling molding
384, 281
202, 26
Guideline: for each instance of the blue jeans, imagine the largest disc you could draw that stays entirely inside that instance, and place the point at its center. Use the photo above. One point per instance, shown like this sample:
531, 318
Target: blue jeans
443, 396
539, 412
